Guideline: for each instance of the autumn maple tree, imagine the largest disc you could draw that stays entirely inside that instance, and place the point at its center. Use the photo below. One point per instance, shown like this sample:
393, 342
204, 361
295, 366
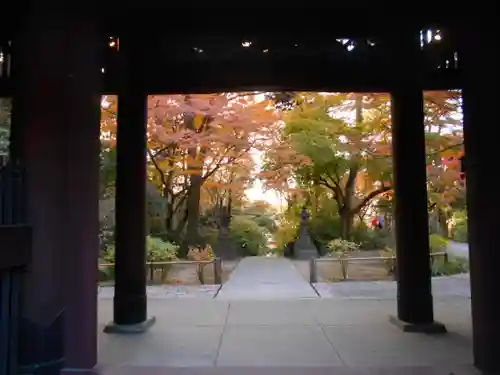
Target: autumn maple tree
326, 150
202, 141
444, 142
339, 145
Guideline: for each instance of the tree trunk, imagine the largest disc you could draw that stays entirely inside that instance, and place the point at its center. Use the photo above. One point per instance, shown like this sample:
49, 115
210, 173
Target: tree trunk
196, 155
346, 220
193, 210
443, 223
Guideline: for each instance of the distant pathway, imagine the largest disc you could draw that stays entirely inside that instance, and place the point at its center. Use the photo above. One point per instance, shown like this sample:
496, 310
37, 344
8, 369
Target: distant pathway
458, 249
263, 278
442, 287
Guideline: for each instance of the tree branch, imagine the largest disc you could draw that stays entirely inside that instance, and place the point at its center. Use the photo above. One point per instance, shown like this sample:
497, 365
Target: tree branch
369, 197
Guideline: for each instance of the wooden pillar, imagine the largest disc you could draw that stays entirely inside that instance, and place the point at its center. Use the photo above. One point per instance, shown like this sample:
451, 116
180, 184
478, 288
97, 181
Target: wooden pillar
481, 132
130, 300
56, 107
415, 307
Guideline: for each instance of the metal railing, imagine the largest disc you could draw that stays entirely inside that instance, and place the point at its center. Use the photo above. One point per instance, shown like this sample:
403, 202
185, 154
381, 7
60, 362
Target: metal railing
345, 261
164, 268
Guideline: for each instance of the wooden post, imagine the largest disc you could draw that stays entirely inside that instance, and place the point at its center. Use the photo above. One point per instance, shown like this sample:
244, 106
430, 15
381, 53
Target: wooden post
481, 132
313, 271
415, 304
199, 271
218, 271
130, 299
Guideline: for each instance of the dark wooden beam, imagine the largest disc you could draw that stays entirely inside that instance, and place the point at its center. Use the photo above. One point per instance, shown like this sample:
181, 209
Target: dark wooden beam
16, 246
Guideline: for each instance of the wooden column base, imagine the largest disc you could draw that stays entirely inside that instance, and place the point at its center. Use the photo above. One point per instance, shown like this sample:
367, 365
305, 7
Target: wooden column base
428, 328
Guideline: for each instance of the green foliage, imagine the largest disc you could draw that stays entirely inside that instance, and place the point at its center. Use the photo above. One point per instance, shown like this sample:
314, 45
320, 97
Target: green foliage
265, 222
248, 234
437, 243
106, 238
369, 238
261, 212
459, 230
4, 141
440, 265
340, 247
390, 262
107, 171
209, 235
5, 111
325, 222
287, 233
158, 251
161, 251
453, 266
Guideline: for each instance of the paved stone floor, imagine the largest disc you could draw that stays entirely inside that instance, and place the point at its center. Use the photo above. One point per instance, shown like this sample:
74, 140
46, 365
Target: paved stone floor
170, 291
266, 278
268, 321
447, 286
316, 335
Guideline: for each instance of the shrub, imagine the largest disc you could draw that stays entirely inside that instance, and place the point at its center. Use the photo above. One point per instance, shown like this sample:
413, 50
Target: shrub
453, 266
369, 238
325, 226
339, 247
459, 230
248, 235
285, 235
157, 251
440, 266
161, 251
390, 263
209, 235
437, 243
199, 253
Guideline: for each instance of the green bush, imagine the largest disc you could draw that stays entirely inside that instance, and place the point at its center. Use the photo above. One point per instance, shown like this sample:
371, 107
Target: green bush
286, 233
437, 243
325, 227
209, 235
369, 238
265, 222
339, 247
161, 251
106, 273
453, 266
459, 230
248, 235
157, 251
440, 266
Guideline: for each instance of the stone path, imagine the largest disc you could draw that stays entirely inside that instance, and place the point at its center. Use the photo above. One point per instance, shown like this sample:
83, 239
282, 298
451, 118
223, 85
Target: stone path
458, 249
263, 285
266, 278
299, 337
447, 286
169, 291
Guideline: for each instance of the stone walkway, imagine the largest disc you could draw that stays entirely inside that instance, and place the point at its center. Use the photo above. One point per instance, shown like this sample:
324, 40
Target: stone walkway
442, 287
169, 291
266, 278
299, 337
268, 320
267, 288
458, 249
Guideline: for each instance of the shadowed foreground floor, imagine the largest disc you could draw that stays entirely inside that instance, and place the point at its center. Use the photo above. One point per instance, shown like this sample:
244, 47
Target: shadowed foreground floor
308, 336
291, 371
